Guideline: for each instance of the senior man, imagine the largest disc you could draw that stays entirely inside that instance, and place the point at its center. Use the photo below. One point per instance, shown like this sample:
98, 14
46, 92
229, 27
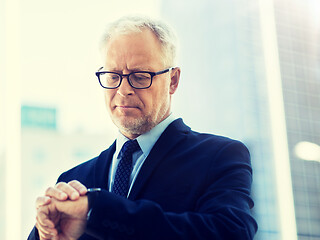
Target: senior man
159, 179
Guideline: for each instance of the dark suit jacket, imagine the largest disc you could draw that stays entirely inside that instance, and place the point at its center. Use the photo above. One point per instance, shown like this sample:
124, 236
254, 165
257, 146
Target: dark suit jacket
191, 186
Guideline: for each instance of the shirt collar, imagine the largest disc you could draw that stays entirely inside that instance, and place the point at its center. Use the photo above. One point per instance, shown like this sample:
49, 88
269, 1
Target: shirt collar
147, 140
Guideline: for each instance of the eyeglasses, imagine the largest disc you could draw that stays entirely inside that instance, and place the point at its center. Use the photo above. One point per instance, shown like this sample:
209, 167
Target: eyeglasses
138, 80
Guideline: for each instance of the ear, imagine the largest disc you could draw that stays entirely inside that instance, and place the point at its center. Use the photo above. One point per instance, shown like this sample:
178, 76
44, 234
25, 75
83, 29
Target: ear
175, 77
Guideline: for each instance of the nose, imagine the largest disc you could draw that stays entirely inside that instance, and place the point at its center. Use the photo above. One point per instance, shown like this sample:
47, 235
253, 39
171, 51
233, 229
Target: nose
125, 89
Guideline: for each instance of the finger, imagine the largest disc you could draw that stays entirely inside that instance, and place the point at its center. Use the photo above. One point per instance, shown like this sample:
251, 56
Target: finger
82, 190
56, 193
45, 235
45, 232
71, 192
41, 201
43, 219
56, 237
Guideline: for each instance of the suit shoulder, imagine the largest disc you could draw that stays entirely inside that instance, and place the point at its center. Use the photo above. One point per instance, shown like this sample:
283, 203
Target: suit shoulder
213, 139
215, 145
207, 142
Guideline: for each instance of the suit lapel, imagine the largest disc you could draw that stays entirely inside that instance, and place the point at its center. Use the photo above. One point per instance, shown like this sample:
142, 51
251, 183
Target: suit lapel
173, 134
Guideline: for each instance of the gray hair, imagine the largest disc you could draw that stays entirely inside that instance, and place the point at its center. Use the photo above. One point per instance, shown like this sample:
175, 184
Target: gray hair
136, 23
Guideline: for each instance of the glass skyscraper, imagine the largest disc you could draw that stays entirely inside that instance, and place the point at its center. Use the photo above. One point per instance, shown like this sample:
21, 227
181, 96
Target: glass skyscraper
298, 31
223, 61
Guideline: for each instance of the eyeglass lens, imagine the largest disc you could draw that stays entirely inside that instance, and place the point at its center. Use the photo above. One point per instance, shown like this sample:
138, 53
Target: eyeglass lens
137, 80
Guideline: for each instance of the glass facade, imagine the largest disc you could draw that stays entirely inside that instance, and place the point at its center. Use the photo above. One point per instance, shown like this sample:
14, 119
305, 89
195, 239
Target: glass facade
221, 47
299, 50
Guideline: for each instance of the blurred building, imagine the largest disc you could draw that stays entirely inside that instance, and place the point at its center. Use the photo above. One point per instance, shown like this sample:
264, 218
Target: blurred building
298, 31
224, 86
47, 152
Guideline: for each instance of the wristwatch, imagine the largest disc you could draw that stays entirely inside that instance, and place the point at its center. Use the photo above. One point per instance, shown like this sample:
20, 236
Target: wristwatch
92, 194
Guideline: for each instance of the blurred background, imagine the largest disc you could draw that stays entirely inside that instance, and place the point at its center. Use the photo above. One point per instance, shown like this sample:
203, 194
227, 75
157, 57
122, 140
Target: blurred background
250, 71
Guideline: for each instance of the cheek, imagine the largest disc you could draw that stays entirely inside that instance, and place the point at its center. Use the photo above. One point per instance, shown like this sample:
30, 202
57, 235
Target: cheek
147, 100
108, 96
160, 98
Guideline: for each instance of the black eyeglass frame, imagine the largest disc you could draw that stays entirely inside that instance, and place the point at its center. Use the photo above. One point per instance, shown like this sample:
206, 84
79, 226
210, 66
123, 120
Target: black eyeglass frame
152, 74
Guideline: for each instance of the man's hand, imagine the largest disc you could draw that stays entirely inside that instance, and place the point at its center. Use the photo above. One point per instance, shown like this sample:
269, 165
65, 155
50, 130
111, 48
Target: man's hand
63, 220
61, 192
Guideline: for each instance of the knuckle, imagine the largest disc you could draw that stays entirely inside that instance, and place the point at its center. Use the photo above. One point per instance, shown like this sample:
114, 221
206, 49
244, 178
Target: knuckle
38, 211
38, 217
73, 183
59, 184
48, 190
38, 199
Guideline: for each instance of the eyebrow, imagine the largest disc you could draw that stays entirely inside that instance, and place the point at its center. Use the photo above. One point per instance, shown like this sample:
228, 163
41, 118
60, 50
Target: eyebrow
137, 69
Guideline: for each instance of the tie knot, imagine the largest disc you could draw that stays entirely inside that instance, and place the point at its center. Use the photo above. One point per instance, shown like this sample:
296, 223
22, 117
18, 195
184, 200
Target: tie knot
130, 147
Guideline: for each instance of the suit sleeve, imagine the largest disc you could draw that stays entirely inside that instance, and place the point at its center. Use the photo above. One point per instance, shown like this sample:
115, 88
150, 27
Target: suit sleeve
221, 212
34, 235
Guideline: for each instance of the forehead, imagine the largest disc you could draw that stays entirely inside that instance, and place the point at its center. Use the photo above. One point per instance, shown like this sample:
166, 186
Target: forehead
134, 50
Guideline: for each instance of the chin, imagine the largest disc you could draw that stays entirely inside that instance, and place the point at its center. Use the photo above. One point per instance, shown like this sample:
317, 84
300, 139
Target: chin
134, 126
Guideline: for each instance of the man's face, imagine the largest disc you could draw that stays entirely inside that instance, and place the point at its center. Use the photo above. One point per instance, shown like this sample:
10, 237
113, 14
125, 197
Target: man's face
136, 111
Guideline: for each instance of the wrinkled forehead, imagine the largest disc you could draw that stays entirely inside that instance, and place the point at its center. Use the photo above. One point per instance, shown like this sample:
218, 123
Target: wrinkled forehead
134, 49
134, 44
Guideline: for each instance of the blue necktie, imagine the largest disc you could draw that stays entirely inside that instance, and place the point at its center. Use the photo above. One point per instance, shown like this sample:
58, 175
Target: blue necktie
124, 169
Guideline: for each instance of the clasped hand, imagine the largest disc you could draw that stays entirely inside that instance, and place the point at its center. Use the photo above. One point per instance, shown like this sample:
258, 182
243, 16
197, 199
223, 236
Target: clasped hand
62, 212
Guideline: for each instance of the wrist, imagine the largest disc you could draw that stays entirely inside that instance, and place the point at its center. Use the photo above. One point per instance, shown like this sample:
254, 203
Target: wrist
92, 195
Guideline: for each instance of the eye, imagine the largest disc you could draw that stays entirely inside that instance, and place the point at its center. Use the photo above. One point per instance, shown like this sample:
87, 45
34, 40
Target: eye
140, 76
112, 77
109, 79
